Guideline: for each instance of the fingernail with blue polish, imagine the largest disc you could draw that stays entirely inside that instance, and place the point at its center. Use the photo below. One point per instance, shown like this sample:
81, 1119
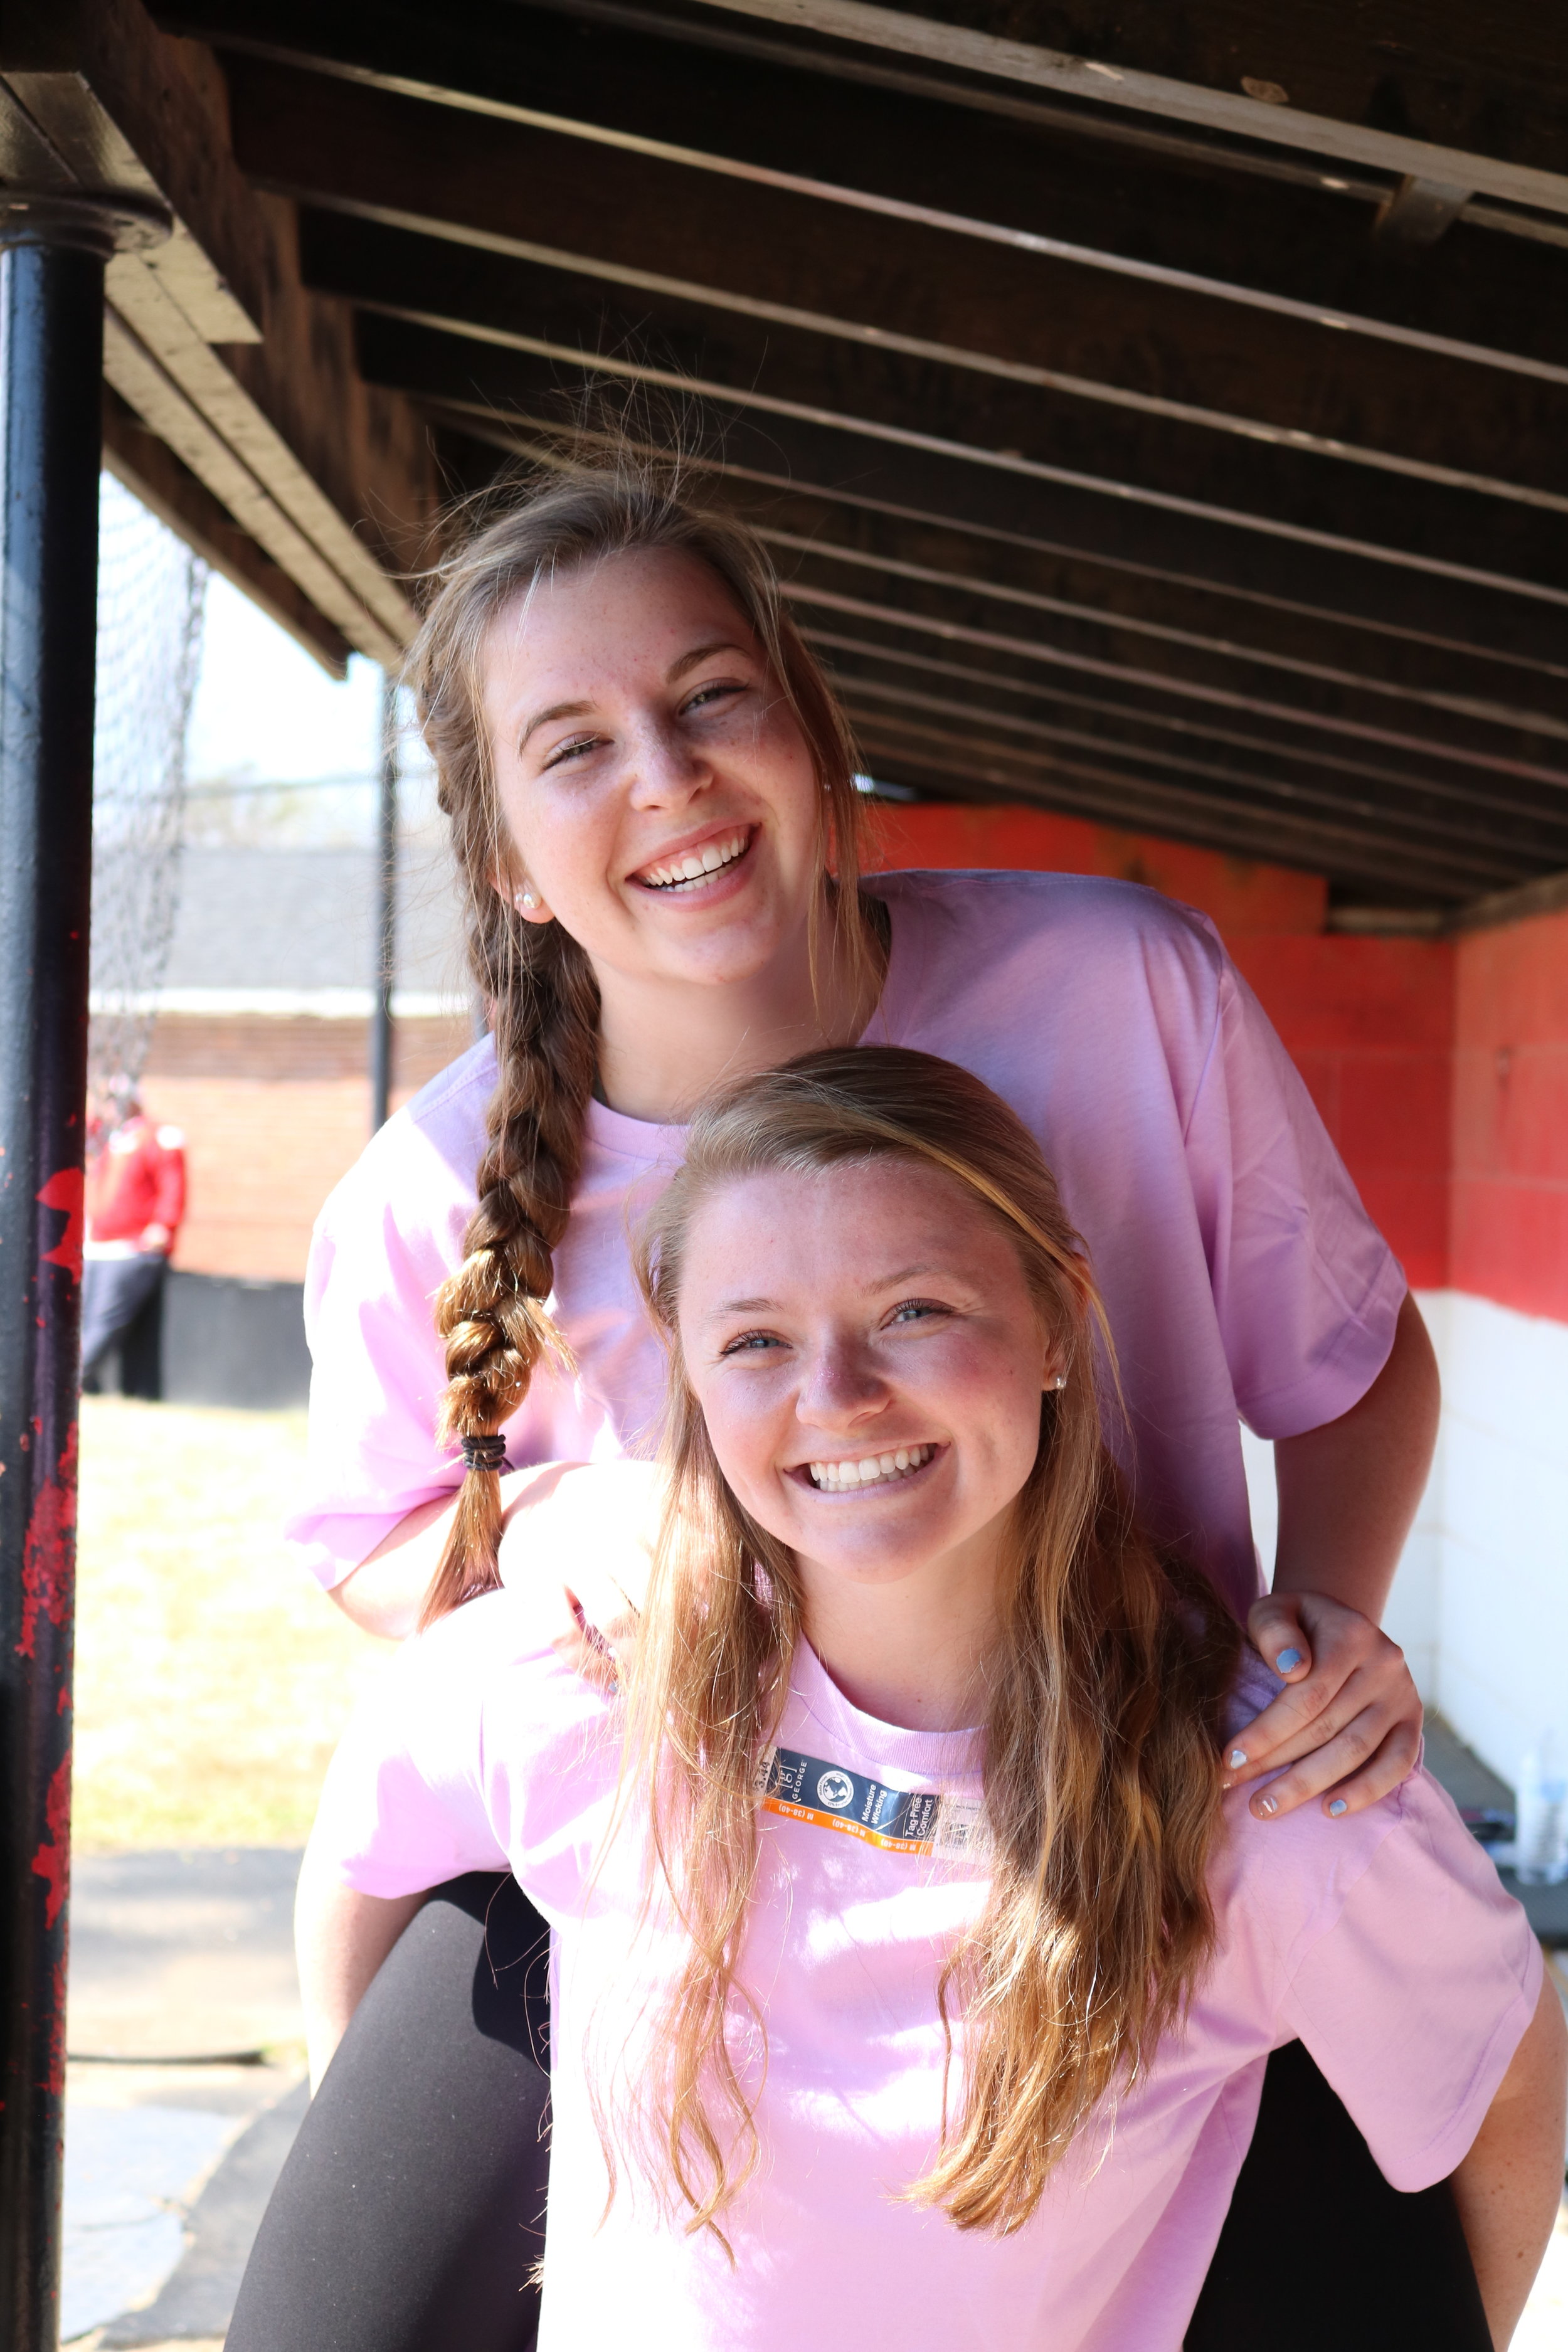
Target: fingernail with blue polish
1338, 1807
1236, 1758
1287, 1661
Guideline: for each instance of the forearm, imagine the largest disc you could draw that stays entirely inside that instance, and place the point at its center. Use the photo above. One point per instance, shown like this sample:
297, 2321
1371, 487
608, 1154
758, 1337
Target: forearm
386, 1592
1348, 1492
1508, 2187
341, 1939
553, 1513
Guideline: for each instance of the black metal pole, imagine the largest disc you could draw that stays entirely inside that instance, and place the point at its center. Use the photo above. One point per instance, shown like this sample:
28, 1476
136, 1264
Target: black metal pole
381, 1032
52, 253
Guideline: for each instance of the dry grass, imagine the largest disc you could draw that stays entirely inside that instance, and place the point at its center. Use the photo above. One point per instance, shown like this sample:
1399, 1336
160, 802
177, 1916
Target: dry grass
213, 1677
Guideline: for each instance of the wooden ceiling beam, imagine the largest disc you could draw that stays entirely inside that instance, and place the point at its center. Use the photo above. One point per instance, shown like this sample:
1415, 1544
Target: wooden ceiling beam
917, 435
1239, 630
1457, 863
1468, 99
1172, 371
1411, 690
925, 612
874, 562
953, 574
930, 718
334, 484
151, 471
1164, 734
1393, 625
908, 677
964, 770
908, 686
1297, 250
891, 654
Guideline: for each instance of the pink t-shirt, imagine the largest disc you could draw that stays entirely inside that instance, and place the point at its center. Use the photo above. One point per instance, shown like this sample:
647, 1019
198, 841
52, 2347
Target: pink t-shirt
1241, 1275
1385, 1941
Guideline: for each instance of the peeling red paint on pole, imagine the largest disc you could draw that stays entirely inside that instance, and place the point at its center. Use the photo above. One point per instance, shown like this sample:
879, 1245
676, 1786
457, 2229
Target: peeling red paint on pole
67, 1189
52, 1860
48, 1558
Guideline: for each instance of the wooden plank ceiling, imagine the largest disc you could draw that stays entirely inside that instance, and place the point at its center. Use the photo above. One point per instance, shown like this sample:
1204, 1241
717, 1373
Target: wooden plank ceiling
1159, 413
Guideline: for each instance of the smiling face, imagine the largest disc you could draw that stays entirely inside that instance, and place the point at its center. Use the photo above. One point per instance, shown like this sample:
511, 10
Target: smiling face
869, 1364
659, 795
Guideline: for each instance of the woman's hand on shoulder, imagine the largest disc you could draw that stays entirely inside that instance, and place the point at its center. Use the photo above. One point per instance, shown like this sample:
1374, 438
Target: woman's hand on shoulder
1348, 1723
587, 1532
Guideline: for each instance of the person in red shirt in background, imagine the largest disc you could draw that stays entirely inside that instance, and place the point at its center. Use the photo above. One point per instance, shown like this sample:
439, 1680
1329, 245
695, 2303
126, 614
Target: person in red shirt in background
135, 1200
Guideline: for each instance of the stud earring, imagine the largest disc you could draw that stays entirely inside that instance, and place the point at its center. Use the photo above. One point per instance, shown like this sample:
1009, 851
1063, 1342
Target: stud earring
522, 898
1060, 1381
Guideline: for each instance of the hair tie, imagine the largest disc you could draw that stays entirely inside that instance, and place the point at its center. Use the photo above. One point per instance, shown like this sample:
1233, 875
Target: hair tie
484, 1453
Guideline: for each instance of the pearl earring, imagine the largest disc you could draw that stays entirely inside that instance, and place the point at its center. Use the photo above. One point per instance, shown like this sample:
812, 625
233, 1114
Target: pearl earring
522, 898
1060, 1381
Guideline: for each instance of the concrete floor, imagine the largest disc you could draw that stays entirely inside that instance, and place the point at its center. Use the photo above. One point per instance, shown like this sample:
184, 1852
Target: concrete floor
185, 2088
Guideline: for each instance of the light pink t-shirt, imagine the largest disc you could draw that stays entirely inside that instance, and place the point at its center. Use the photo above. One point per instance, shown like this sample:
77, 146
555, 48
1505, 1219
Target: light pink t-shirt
1240, 1272
1385, 1941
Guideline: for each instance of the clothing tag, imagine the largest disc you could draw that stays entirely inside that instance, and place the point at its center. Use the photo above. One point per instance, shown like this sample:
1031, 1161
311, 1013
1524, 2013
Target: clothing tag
902, 1821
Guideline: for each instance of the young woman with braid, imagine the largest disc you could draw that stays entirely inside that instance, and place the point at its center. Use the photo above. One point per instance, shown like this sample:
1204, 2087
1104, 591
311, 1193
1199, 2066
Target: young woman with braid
653, 805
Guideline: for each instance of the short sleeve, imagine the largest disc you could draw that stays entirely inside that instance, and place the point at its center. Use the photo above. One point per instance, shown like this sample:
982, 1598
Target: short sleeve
1306, 1289
481, 1748
403, 1807
1415, 1997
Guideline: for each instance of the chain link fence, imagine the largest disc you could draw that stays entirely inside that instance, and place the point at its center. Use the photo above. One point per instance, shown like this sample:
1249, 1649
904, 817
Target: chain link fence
152, 595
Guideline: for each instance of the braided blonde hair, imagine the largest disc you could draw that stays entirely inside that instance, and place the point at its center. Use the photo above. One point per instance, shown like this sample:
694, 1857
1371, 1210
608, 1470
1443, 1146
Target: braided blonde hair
535, 979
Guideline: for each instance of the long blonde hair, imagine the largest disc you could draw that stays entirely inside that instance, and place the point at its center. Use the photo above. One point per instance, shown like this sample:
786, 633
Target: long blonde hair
537, 980
1100, 1712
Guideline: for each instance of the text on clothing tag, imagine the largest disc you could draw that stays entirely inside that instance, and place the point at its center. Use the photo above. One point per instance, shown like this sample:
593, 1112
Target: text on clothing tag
903, 1820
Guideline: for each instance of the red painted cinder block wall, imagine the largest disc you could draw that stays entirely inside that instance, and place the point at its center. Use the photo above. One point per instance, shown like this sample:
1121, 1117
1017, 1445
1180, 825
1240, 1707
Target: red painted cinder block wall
1369, 1022
1240, 894
1509, 1218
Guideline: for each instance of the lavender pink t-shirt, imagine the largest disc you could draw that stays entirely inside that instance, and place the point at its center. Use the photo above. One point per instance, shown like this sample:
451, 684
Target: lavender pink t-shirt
1241, 1275
1385, 1941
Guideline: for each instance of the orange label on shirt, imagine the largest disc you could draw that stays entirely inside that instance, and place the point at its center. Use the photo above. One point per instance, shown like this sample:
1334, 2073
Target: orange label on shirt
801, 1788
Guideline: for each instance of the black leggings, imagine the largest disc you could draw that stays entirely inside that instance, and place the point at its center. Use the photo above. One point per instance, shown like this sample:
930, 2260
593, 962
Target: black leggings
410, 2212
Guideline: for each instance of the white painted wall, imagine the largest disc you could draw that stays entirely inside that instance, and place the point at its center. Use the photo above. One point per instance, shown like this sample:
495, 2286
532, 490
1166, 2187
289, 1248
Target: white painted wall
1480, 1602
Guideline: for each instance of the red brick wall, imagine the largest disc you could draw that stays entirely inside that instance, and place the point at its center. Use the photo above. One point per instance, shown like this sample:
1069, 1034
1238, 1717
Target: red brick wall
1510, 1220
274, 1111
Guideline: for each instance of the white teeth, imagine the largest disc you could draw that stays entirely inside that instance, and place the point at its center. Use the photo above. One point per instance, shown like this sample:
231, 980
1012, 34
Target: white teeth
678, 875
875, 1470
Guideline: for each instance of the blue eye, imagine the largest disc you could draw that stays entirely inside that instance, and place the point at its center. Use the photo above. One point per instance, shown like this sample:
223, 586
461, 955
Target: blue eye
750, 1343
915, 1310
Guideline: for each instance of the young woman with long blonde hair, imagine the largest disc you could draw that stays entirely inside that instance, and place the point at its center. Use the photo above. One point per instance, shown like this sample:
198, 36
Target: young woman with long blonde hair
910, 1987
653, 800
